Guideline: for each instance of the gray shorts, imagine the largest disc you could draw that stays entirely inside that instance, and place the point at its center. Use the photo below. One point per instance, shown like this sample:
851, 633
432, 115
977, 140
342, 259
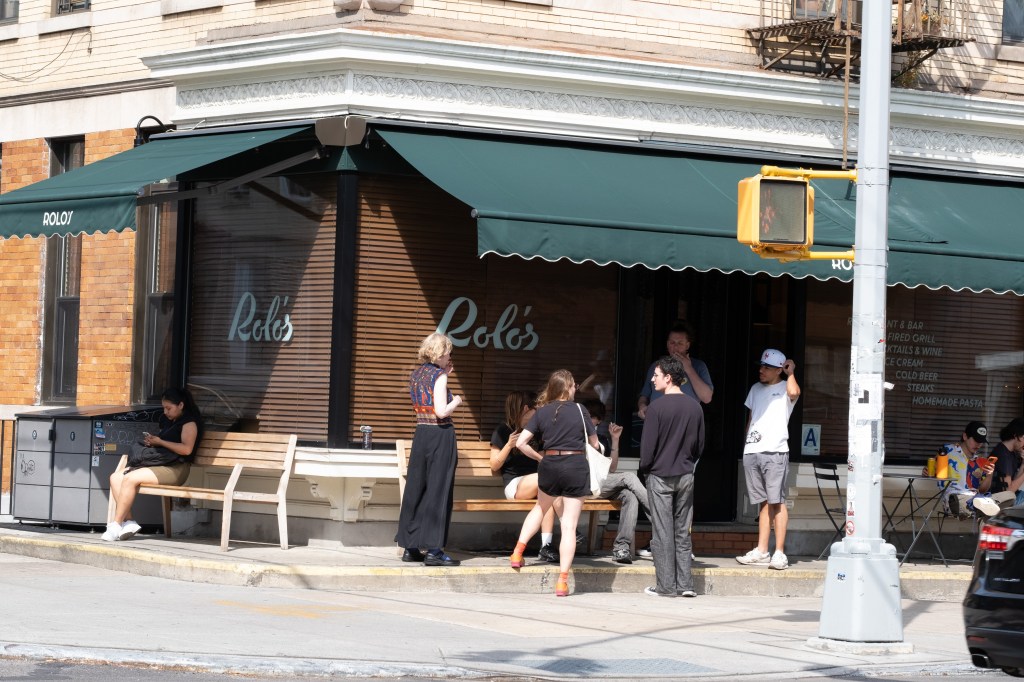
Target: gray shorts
766, 476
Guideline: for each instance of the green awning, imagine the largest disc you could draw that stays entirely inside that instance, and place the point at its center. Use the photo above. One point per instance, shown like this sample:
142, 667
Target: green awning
101, 196
585, 202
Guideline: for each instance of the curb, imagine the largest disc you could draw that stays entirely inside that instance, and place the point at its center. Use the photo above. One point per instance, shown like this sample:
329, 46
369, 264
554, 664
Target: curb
283, 667
918, 584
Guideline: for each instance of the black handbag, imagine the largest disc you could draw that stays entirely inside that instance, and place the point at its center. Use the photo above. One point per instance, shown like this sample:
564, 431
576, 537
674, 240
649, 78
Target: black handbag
141, 456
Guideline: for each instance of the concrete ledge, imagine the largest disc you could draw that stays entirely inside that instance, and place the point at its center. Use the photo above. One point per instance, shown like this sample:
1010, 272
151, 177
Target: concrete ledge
380, 570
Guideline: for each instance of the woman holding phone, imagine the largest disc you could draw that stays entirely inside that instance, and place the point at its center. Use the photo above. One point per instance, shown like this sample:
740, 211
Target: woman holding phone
181, 429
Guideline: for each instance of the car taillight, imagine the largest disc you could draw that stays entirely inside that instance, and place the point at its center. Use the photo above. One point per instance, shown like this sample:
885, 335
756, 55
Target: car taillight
994, 538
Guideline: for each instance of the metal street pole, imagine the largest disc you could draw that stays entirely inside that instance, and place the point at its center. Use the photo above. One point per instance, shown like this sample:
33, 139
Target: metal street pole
861, 602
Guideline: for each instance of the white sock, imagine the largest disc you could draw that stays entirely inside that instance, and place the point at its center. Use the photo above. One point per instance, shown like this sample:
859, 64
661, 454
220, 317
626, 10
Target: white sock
546, 538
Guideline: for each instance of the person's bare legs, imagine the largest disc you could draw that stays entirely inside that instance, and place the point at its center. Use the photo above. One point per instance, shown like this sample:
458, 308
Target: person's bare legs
778, 516
124, 487
528, 490
764, 528
571, 508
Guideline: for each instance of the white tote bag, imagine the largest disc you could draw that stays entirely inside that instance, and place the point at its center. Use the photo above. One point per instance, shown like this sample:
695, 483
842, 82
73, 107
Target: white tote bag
598, 463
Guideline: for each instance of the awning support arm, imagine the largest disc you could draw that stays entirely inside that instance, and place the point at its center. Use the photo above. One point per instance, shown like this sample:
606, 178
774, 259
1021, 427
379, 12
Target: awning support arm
311, 155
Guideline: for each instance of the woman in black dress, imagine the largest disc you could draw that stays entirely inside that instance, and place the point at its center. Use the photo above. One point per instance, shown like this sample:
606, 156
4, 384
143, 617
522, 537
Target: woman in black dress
564, 427
181, 429
430, 484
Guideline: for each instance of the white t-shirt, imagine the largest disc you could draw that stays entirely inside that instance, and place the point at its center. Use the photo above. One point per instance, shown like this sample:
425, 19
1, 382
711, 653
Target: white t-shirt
770, 408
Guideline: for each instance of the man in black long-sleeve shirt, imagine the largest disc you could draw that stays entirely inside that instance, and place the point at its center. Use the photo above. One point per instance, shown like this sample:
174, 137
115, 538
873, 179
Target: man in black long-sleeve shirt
672, 441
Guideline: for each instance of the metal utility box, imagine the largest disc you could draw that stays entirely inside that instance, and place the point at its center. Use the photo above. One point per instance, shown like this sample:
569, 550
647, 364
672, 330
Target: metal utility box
64, 458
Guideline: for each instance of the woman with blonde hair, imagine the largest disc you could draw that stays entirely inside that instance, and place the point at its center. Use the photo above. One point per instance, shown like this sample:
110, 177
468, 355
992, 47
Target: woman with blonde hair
519, 472
564, 427
427, 503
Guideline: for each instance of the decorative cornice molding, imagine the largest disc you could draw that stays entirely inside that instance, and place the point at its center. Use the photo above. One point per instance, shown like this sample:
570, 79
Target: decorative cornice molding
634, 117
432, 80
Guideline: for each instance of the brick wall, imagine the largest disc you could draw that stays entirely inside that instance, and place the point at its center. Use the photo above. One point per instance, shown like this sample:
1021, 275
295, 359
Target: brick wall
723, 542
21, 274
107, 298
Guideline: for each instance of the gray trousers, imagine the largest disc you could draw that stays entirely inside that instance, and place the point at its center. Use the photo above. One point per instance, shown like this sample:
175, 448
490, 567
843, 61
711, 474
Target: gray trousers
671, 505
627, 488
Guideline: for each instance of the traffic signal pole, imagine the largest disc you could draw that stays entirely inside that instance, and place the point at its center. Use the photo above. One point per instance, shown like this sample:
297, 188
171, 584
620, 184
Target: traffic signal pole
861, 608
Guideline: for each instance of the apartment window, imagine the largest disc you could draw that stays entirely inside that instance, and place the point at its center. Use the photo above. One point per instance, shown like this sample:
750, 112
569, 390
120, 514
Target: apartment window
1013, 21
63, 277
69, 6
8, 10
156, 248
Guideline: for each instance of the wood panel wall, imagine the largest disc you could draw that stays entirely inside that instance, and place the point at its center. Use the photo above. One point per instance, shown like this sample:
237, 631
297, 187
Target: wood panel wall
417, 254
273, 238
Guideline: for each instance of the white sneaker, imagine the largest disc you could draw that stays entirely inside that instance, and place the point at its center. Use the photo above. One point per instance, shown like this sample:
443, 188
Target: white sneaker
687, 593
129, 529
754, 556
113, 532
779, 562
644, 552
985, 504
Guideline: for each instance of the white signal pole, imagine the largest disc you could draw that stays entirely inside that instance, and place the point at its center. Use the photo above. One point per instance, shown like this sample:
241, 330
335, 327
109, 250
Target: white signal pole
861, 604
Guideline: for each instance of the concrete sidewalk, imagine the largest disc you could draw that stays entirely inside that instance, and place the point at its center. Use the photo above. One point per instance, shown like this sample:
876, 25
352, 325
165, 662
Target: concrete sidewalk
361, 612
75, 612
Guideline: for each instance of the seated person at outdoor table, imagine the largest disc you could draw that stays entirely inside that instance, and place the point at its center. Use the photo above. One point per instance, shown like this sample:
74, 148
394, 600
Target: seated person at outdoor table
519, 472
1009, 474
971, 476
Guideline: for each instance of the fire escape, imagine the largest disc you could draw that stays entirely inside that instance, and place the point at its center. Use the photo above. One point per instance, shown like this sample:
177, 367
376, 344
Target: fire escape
822, 38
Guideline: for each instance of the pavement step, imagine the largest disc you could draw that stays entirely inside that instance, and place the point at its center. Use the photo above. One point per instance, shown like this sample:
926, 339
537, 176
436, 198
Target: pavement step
379, 569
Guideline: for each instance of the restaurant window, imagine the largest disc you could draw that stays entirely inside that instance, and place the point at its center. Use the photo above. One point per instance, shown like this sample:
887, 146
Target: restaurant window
1013, 21
952, 357
513, 321
261, 307
156, 242
62, 302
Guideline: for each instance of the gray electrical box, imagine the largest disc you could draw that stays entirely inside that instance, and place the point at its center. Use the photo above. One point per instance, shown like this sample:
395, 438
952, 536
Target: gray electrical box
64, 458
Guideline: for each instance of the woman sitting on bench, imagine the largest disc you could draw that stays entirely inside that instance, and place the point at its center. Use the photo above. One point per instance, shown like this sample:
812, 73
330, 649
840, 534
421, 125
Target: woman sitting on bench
164, 458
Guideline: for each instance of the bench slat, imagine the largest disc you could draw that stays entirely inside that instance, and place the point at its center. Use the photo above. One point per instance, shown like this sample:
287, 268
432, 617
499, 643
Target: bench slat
231, 461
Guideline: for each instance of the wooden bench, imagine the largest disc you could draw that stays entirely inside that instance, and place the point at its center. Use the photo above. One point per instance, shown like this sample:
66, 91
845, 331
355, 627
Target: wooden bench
475, 465
237, 451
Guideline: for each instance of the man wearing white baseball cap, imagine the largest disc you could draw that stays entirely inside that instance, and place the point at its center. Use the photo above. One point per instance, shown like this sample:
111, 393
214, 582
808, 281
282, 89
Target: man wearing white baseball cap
766, 454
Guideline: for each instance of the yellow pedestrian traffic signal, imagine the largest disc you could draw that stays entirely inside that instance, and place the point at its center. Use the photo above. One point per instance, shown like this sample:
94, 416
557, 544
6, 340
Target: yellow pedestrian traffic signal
775, 213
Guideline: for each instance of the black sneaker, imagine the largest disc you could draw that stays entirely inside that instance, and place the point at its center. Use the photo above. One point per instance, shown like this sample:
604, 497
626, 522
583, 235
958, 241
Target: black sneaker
622, 556
954, 505
548, 553
644, 552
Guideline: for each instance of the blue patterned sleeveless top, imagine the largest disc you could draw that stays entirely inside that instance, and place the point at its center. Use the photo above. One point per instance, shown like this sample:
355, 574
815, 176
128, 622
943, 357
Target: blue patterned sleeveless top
421, 390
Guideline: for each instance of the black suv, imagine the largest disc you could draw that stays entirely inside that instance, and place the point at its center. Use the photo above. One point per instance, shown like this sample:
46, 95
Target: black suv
994, 606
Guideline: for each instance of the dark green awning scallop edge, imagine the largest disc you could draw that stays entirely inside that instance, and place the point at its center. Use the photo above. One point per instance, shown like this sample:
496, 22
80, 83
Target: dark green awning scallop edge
101, 196
554, 200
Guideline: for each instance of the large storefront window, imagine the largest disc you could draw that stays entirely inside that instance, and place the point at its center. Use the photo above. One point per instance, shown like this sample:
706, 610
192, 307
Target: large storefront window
513, 321
262, 283
952, 356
